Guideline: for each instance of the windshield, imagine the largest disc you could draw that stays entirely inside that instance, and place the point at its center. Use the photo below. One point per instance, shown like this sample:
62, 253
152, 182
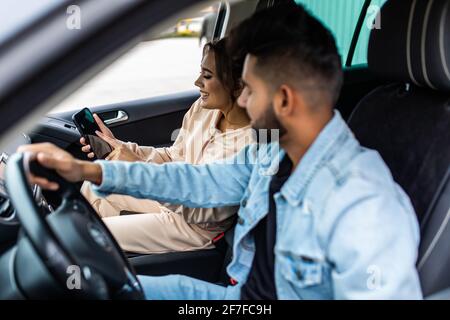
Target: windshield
16, 15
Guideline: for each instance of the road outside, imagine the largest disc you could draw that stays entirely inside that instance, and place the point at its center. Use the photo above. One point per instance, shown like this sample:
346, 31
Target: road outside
151, 68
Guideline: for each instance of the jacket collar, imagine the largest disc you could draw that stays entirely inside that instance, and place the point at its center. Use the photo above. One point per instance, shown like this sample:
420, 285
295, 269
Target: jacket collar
332, 136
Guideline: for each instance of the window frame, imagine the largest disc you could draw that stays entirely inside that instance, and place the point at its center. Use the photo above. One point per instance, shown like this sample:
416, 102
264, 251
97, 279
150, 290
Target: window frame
355, 36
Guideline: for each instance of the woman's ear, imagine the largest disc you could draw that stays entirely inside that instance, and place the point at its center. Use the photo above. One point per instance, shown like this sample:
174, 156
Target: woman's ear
238, 89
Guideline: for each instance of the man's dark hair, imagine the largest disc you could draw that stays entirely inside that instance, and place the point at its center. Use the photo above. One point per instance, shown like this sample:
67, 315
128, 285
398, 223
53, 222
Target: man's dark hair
291, 47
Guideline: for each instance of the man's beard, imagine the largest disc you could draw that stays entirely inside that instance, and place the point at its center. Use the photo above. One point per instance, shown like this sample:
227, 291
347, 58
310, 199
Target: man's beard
269, 122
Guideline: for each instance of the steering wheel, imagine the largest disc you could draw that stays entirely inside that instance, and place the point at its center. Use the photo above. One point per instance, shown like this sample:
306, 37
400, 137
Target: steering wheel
72, 242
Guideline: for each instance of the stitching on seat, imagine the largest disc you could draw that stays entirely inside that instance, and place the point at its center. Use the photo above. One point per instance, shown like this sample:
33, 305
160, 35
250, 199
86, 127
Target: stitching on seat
441, 32
423, 49
408, 41
435, 240
427, 216
434, 201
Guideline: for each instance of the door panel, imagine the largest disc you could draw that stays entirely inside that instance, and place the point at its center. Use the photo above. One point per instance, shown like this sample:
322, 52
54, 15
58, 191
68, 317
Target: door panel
150, 122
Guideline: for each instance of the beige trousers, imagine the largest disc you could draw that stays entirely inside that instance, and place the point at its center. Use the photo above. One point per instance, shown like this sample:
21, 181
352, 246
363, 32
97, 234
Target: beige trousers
153, 229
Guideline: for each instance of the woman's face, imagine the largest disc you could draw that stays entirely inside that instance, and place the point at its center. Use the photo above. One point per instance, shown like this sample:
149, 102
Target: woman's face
213, 94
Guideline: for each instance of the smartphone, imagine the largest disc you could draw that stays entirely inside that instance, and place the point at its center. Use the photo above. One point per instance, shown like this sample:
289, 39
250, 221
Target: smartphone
86, 125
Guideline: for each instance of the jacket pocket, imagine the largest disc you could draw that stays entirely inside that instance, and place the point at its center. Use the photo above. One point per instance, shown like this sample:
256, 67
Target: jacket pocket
305, 277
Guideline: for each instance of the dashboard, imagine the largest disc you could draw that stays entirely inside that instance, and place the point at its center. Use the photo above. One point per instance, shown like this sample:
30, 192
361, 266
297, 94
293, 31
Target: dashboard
58, 131
7, 212
8, 215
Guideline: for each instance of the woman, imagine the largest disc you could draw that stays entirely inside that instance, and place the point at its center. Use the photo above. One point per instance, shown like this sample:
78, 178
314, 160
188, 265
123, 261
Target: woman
213, 129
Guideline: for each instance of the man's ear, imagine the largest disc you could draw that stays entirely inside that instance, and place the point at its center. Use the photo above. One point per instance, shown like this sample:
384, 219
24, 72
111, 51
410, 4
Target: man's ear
284, 101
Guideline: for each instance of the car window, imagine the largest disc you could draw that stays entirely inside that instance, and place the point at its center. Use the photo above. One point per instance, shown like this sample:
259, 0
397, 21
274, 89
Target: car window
341, 18
372, 21
168, 63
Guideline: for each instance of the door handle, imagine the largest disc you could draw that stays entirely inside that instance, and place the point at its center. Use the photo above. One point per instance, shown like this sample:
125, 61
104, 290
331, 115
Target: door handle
121, 117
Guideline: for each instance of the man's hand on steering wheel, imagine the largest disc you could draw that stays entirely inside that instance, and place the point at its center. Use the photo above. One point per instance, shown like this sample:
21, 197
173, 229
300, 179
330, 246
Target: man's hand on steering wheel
68, 167
73, 234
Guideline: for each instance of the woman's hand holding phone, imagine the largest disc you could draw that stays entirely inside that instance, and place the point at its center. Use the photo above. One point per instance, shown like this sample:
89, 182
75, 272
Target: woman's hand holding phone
104, 129
120, 151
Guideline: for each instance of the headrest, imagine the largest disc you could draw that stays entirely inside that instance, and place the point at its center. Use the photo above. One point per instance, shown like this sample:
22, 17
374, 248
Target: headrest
413, 43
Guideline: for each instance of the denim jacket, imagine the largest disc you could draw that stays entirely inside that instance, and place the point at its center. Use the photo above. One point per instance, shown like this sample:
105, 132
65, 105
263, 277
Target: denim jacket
345, 229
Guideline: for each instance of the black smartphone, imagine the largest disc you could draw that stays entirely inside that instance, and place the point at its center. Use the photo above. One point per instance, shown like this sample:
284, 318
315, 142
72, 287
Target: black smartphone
86, 125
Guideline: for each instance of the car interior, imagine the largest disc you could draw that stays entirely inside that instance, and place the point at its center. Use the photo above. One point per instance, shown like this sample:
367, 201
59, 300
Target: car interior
398, 104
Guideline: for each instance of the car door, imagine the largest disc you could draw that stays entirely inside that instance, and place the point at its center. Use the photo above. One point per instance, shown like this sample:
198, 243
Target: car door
151, 122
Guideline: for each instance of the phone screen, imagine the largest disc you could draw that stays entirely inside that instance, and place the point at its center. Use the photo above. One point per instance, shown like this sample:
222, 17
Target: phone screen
85, 122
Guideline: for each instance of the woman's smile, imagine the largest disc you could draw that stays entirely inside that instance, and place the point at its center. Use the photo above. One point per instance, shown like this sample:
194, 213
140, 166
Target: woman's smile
204, 95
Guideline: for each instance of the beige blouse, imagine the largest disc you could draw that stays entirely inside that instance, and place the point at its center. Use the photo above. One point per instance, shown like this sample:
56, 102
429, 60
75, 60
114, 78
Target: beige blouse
198, 142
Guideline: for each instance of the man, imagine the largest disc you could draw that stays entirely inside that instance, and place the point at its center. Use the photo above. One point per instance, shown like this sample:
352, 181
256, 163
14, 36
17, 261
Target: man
320, 218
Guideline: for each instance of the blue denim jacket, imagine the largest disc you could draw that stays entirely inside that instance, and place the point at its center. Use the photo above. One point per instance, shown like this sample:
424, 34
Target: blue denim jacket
345, 229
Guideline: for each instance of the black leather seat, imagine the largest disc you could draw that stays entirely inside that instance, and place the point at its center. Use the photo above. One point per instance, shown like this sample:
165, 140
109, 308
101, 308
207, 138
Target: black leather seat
201, 264
408, 120
208, 264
